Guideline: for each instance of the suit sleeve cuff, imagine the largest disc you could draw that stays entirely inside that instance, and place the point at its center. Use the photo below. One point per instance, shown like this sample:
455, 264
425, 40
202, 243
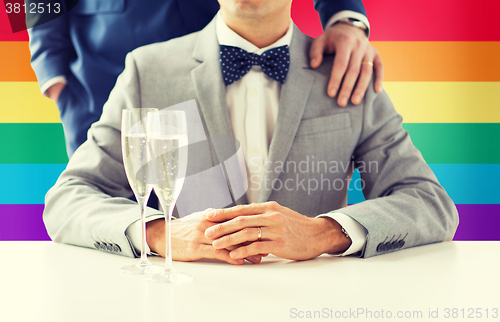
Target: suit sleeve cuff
356, 232
52, 81
134, 233
349, 14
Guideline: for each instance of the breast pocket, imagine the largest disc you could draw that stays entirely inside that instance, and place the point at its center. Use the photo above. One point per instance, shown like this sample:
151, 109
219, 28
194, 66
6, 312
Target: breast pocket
91, 7
328, 123
325, 138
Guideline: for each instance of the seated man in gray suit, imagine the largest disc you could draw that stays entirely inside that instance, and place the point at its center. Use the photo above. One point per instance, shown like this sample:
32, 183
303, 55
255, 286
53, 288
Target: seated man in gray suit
248, 72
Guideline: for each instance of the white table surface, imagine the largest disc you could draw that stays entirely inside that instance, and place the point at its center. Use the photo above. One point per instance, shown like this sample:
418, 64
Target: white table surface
45, 281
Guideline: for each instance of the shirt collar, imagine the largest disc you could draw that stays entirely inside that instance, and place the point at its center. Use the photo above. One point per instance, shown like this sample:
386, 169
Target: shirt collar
226, 36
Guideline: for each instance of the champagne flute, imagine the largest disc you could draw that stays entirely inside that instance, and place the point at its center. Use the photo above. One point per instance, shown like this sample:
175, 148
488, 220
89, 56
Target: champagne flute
136, 157
169, 143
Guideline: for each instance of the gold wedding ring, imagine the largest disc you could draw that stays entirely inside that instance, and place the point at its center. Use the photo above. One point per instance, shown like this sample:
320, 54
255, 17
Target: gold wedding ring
259, 234
367, 63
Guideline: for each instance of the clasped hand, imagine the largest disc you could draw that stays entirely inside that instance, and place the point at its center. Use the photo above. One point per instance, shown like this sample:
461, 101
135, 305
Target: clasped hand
232, 235
283, 232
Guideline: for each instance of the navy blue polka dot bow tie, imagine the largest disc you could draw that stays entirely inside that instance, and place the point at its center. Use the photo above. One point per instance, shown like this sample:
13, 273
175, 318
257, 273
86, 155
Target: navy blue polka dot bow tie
236, 62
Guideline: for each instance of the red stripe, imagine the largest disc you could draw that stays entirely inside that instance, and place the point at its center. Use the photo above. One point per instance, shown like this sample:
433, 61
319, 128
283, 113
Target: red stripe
306, 18
391, 20
417, 20
5, 29
433, 20
18, 36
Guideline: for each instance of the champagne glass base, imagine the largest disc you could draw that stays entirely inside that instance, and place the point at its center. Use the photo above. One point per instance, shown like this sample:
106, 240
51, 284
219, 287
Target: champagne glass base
139, 268
161, 276
180, 278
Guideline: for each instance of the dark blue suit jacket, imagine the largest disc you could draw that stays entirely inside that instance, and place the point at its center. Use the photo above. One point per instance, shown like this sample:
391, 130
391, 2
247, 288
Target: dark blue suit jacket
88, 46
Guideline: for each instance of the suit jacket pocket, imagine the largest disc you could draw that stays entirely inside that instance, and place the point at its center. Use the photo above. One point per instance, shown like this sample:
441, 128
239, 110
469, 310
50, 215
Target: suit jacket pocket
91, 7
324, 124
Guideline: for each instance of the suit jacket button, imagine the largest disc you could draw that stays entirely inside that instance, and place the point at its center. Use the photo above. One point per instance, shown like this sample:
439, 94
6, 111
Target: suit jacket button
401, 243
381, 247
118, 249
97, 245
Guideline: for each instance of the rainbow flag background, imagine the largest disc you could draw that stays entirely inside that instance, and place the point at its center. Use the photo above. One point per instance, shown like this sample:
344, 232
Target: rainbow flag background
442, 71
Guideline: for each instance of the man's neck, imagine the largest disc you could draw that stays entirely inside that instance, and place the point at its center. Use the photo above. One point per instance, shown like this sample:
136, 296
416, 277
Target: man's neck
260, 32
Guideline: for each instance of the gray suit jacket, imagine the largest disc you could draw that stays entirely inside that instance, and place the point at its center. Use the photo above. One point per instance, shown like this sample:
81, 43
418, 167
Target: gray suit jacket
406, 205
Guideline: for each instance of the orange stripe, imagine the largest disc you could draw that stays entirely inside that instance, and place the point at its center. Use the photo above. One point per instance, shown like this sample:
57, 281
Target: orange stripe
403, 61
15, 62
438, 61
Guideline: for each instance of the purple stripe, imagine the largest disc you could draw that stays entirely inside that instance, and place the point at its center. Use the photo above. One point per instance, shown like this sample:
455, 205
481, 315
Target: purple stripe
24, 222
478, 222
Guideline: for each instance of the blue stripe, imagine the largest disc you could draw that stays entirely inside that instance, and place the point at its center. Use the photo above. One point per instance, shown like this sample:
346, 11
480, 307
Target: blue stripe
27, 183
465, 183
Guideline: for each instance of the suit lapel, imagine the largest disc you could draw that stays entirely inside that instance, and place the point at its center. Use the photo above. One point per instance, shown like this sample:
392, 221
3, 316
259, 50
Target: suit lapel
209, 86
293, 99
211, 92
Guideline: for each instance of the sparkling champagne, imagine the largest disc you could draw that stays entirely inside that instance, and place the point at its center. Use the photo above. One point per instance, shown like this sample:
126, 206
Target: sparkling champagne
169, 166
135, 158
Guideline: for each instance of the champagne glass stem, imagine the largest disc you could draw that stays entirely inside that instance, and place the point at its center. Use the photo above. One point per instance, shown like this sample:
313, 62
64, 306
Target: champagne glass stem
142, 204
168, 209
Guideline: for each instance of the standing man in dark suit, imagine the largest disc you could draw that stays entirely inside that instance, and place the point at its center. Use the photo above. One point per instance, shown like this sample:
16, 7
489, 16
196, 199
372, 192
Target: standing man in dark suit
77, 56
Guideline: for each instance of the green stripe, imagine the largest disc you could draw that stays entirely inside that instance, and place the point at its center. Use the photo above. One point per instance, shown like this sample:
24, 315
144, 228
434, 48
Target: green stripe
438, 142
456, 142
32, 143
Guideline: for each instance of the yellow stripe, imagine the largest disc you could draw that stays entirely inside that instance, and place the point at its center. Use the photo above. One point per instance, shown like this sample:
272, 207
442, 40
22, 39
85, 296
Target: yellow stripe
418, 102
22, 102
446, 102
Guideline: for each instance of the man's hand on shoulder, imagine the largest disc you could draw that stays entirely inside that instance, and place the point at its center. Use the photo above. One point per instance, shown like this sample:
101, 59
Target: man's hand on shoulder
355, 60
282, 231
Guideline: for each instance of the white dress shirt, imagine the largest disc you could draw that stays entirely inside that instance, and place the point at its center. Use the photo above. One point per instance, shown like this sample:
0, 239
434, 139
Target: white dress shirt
253, 106
349, 14
253, 103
